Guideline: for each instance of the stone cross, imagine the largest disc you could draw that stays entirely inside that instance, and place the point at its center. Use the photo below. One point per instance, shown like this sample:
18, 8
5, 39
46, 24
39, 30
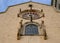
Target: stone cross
31, 18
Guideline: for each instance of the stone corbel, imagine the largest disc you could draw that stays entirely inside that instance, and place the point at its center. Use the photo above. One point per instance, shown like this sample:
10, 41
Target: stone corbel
21, 24
19, 13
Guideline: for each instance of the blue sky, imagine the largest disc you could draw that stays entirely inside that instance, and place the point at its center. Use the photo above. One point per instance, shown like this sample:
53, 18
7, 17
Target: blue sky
5, 3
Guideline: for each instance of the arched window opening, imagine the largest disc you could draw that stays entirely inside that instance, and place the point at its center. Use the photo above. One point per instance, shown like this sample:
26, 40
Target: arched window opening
31, 29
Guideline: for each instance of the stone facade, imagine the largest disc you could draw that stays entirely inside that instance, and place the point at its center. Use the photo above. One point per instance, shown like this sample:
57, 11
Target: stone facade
9, 25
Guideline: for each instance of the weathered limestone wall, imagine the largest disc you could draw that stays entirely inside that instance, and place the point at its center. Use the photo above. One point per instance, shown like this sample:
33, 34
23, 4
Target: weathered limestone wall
9, 24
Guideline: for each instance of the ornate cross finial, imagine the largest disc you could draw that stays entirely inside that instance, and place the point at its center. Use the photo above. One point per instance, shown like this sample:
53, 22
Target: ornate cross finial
20, 10
30, 5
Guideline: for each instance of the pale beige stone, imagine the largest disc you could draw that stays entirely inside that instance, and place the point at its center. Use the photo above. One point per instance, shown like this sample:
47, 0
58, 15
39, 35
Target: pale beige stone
9, 24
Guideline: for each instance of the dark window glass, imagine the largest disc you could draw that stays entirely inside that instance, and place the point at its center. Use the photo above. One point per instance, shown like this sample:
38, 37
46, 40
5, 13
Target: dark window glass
31, 29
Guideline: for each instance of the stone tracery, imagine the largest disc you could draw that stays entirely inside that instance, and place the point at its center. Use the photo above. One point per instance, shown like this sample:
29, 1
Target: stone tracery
31, 14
